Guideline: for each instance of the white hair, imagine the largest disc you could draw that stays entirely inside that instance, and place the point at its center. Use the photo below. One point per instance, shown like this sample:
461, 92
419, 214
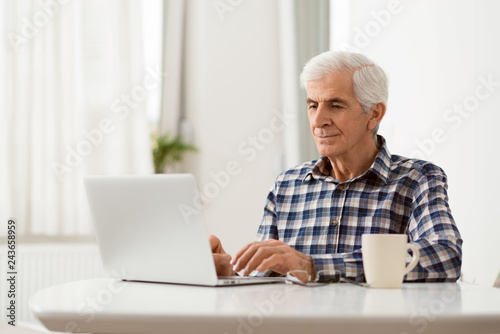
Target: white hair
370, 83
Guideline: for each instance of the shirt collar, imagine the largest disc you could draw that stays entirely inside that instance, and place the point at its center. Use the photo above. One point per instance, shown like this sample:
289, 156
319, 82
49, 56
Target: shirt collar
381, 166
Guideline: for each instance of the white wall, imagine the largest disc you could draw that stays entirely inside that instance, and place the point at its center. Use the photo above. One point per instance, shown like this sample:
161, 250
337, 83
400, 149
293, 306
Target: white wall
435, 53
232, 92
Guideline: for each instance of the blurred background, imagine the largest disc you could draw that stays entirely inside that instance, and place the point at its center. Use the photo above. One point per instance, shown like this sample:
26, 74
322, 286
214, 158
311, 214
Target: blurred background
88, 87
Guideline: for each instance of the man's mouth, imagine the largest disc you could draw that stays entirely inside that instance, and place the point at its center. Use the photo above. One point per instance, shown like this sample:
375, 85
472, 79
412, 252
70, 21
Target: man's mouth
327, 136
321, 134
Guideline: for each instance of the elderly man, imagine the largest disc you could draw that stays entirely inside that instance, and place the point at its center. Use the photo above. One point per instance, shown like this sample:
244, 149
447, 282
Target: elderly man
316, 212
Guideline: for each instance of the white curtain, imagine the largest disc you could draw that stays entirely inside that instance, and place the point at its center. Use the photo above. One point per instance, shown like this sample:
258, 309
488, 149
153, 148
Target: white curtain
73, 87
304, 33
174, 36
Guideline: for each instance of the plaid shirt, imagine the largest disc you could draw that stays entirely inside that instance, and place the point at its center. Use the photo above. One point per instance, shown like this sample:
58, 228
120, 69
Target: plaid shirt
319, 216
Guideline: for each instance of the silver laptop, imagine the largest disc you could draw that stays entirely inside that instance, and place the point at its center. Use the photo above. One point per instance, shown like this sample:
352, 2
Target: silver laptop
152, 228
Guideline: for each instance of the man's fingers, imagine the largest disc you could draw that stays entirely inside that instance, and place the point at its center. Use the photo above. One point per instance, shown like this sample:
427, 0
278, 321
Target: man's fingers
282, 263
222, 265
215, 244
271, 255
247, 252
241, 252
273, 262
256, 253
243, 256
260, 253
222, 259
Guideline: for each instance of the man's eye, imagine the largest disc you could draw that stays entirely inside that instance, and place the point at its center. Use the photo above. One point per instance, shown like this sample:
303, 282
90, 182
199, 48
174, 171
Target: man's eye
312, 106
337, 106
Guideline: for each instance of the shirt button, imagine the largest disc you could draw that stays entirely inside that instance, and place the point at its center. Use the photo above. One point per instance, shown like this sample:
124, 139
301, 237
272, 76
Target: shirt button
335, 223
343, 186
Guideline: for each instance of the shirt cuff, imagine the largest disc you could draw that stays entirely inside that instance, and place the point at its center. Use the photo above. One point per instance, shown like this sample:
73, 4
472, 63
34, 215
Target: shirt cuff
329, 262
350, 265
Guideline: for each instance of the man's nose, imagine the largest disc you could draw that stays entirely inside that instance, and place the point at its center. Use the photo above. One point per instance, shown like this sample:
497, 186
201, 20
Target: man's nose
321, 117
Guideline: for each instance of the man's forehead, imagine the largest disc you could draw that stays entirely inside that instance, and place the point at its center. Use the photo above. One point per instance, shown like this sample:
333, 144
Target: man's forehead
327, 96
330, 86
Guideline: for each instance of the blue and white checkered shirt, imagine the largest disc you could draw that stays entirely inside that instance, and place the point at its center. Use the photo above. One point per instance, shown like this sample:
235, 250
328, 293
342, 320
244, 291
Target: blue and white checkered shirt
319, 216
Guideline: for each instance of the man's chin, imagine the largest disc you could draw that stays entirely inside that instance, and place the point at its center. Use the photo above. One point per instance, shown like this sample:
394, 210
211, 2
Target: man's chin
327, 152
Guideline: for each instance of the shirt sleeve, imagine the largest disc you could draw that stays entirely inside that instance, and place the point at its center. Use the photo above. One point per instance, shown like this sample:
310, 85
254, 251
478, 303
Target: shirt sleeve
432, 228
268, 227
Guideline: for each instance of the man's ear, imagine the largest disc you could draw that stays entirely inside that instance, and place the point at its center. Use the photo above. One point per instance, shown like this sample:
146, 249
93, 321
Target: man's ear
376, 114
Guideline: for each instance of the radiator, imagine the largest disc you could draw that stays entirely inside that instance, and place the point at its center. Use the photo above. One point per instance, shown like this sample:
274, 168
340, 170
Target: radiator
43, 265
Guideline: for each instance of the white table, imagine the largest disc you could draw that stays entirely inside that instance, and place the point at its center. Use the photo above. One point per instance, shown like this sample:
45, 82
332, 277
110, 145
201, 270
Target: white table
112, 306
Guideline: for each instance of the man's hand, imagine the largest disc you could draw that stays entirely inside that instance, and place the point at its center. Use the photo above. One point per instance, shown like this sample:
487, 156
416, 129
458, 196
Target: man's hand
222, 260
271, 255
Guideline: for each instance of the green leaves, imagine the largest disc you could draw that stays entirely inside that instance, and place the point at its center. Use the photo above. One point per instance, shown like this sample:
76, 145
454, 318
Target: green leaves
167, 151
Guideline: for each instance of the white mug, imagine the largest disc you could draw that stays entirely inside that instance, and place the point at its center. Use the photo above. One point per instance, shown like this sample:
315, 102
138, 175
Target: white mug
384, 259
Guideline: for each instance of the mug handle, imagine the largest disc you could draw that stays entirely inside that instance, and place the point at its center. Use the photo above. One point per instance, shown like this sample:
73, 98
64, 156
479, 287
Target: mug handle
414, 258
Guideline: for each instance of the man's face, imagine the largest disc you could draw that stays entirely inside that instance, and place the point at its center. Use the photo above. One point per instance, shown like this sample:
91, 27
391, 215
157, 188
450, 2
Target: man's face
338, 123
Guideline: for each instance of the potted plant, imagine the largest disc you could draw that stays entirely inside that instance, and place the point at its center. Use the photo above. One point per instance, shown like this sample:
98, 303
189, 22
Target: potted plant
168, 150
